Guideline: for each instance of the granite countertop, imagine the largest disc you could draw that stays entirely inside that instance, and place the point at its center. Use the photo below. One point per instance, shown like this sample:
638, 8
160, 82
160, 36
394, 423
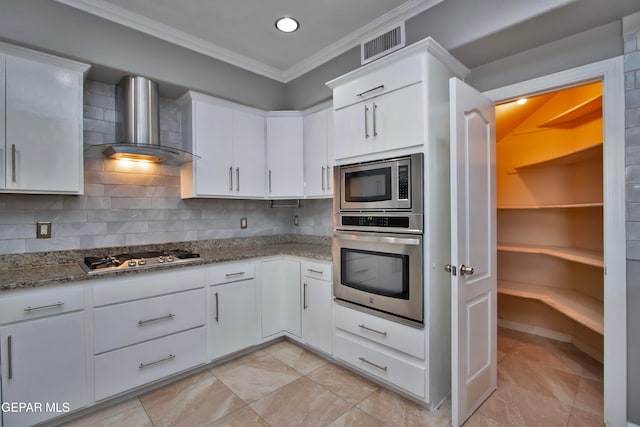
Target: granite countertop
18, 271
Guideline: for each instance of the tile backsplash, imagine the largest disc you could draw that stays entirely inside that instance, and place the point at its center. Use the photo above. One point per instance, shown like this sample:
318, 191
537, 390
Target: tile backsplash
138, 203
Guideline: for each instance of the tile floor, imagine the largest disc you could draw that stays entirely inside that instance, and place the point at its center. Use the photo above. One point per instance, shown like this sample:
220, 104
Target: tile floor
540, 383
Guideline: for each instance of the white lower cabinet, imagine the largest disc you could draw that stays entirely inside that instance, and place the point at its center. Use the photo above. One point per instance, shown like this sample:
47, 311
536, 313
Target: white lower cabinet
382, 363
44, 366
120, 370
233, 314
317, 294
388, 350
147, 327
280, 297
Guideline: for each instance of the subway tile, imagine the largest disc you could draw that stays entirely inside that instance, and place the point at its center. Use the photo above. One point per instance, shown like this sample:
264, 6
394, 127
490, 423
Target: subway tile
105, 177
168, 214
52, 244
632, 117
102, 241
632, 174
17, 231
633, 250
632, 61
110, 116
167, 192
115, 214
130, 203
94, 190
124, 190
79, 229
174, 225
84, 202
633, 230
99, 88
98, 100
61, 216
146, 179
25, 201
13, 246
633, 193
92, 138
17, 217
630, 80
630, 43
127, 227
101, 126
91, 112
632, 137
633, 211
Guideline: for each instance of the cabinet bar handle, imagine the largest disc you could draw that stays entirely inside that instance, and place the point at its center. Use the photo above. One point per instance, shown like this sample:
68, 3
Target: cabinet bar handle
230, 178
366, 122
363, 360
238, 179
384, 334
269, 180
375, 128
9, 358
13, 162
370, 90
311, 270
304, 297
323, 178
146, 365
155, 319
328, 178
217, 308
229, 275
40, 307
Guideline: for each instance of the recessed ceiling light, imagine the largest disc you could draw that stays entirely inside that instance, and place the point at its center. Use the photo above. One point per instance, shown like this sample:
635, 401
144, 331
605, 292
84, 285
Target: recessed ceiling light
287, 25
521, 101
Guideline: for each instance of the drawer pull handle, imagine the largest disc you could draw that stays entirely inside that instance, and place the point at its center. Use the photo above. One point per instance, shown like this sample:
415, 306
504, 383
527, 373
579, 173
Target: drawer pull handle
166, 359
40, 307
230, 275
217, 309
13, 162
363, 360
311, 270
155, 319
304, 297
10, 358
366, 124
384, 334
370, 90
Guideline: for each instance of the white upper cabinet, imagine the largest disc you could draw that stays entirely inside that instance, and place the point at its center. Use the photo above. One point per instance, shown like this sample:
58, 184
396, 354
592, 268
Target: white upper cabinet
318, 153
41, 122
384, 108
284, 155
230, 143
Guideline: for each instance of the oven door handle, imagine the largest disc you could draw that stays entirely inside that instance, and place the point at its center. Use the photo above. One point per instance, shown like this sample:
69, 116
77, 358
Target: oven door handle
361, 237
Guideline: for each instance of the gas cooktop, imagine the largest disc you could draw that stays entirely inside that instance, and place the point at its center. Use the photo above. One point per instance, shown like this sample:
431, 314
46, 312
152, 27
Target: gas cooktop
137, 260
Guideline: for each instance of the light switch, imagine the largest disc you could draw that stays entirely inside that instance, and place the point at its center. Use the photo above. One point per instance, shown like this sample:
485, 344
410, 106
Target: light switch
243, 222
43, 229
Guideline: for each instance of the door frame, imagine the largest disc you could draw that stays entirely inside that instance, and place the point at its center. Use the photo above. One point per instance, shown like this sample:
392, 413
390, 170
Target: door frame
611, 73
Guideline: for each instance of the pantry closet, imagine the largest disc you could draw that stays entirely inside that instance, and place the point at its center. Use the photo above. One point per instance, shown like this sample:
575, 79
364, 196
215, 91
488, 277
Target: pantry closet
549, 169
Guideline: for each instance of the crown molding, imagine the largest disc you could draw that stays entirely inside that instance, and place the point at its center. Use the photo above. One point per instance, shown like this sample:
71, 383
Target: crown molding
164, 32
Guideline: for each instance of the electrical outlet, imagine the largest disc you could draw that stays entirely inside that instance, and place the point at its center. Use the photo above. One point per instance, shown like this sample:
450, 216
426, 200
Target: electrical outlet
296, 220
43, 229
243, 222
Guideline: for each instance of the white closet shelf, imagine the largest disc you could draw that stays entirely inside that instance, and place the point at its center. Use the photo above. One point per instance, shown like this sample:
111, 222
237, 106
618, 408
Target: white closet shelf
584, 309
581, 256
583, 154
586, 111
553, 206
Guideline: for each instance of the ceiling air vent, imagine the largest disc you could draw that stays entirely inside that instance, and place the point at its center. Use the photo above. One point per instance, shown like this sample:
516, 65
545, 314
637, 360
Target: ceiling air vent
382, 44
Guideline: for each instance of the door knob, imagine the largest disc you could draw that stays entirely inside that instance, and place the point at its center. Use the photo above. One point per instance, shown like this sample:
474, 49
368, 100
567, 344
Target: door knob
466, 269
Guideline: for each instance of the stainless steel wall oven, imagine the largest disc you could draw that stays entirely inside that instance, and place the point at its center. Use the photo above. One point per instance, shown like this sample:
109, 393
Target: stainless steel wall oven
378, 237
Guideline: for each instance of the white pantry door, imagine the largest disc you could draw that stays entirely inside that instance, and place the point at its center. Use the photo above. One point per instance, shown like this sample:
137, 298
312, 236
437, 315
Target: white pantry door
473, 250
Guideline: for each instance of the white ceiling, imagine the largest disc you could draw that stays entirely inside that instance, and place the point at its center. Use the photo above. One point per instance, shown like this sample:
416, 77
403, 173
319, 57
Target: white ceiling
242, 32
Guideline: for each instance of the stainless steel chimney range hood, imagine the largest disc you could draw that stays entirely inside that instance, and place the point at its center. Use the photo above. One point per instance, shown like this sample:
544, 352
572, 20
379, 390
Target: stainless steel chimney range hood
138, 136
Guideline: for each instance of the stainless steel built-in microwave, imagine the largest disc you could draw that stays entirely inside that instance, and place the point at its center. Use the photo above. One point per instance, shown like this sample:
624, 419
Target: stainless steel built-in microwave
380, 186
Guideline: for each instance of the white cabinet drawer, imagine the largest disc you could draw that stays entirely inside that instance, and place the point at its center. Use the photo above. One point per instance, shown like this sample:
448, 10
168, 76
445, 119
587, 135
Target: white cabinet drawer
129, 323
120, 289
231, 272
396, 75
399, 337
31, 304
317, 270
381, 364
130, 367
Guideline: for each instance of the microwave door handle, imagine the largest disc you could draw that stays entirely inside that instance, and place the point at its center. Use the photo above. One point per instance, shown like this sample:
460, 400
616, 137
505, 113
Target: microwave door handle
379, 239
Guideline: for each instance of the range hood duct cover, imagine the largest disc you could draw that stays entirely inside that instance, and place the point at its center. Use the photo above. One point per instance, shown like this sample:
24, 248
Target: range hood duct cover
138, 136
